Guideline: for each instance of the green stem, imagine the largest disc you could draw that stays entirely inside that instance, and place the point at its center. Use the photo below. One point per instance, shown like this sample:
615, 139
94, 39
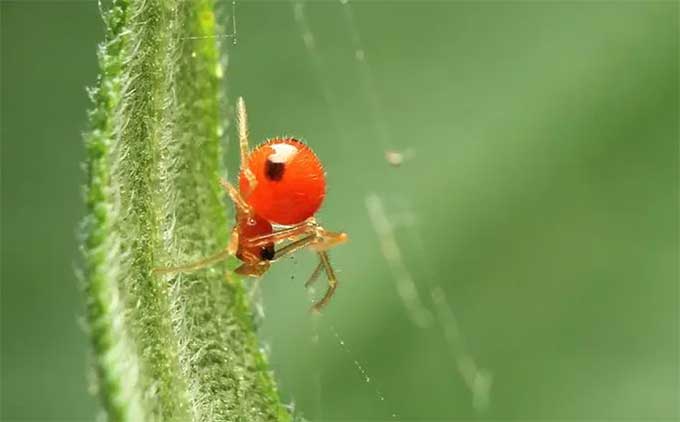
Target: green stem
178, 348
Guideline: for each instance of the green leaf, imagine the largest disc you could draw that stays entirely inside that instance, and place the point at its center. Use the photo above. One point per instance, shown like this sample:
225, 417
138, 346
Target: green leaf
165, 348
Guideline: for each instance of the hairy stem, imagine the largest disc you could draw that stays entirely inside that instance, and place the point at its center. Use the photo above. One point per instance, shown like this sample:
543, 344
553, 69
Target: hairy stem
165, 348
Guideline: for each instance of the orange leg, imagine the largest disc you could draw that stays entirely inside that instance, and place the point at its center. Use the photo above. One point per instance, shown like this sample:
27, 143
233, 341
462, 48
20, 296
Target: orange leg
324, 263
256, 269
194, 266
243, 142
293, 247
327, 240
240, 203
315, 275
322, 239
332, 282
231, 249
287, 233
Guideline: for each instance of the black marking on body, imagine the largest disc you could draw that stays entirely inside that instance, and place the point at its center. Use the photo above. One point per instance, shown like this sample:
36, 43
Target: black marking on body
274, 171
267, 252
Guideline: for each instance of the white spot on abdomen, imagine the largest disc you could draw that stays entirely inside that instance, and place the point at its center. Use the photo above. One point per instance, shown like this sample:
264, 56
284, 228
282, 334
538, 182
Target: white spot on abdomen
282, 153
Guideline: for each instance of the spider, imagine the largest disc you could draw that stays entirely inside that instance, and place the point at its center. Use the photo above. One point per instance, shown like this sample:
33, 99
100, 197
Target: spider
281, 183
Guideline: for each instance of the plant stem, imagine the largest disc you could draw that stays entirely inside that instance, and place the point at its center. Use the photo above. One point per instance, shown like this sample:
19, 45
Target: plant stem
184, 347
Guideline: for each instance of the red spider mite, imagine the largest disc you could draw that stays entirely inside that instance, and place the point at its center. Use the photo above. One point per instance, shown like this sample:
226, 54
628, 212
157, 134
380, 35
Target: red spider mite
282, 183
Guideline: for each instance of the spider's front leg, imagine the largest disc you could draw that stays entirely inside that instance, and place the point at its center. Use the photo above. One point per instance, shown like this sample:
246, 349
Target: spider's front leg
243, 143
240, 203
197, 265
307, 227
318, 238
326, 240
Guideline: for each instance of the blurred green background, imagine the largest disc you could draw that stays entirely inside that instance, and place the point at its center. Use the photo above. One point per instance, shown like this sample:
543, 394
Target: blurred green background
541, 196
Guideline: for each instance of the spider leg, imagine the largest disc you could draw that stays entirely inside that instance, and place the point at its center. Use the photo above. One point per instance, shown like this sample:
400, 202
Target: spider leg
258, 268
332, 282
315, 274
293, 247
306, 227
327, 239
324, 263
232, 246
240, 203
243, 142
253, 269
203, 263
316, 238
323, 239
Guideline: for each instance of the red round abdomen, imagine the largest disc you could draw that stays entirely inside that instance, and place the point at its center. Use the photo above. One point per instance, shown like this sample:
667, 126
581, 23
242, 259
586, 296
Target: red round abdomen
291, 182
